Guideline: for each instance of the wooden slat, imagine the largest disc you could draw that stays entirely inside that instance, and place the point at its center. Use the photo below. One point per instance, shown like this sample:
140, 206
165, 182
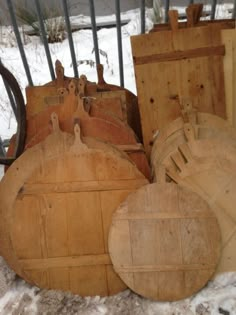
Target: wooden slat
178, 55
38, 188
72, 261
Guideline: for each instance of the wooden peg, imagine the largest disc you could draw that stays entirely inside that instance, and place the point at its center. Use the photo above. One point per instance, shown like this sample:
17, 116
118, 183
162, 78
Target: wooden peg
78, 147
82, 85
55, 122
189, 132
173, 18
100, 71
72, 87
59, 69
194, 12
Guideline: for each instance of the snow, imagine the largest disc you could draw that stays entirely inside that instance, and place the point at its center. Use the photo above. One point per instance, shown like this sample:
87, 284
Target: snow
219, 297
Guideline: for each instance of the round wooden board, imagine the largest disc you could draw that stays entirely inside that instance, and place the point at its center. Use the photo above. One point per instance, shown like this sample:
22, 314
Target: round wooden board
57, 200
209, 168
164, 242
207, 127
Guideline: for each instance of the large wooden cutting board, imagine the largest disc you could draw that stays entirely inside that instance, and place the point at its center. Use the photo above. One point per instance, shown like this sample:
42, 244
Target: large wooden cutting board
164, 242
176, 67
57, 200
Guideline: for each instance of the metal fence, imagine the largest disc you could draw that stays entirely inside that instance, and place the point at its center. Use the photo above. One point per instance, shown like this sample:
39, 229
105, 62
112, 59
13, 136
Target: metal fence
70, 39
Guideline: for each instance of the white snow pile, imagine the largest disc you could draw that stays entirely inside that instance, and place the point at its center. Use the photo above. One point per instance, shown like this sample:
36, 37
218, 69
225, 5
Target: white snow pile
219, 297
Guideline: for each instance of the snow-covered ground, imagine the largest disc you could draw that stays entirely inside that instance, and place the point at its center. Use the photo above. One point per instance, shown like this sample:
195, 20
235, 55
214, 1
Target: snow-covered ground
219, 297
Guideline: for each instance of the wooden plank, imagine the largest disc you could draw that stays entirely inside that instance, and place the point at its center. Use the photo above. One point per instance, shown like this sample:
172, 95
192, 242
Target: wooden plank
229, 40
92, 186
71, 261
178, 55
224, 23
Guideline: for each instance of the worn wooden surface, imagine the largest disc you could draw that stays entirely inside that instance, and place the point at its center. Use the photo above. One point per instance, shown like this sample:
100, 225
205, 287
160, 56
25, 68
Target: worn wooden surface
229, 40
164, 86
56, 206
164, 242
98, 121
205, 126
208, 167
223, 24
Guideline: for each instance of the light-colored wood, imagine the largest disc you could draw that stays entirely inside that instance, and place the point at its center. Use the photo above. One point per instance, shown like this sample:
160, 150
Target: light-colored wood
164, 242
57, 201
206, 126
207, 166
229, 40
164, 85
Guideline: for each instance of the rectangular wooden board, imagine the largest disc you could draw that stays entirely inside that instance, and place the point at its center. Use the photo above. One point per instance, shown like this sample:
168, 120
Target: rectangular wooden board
174, 68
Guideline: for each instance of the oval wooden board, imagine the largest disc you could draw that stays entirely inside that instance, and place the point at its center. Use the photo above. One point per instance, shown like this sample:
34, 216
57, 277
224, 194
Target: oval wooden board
57, 200
209, 168
164, 242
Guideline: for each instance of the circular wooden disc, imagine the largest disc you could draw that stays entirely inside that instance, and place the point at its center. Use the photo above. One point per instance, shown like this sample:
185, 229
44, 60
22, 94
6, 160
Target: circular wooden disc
206, 126
57, 201
209, 169
164, 242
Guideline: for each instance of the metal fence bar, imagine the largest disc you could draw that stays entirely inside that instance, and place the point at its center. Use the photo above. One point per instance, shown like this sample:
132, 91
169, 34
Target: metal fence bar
70, 39
19, 42
94, 29
44, 38
167, 6
119, 42
234, 10
10, 96
142, 15
213, 9
191, 1
2, 149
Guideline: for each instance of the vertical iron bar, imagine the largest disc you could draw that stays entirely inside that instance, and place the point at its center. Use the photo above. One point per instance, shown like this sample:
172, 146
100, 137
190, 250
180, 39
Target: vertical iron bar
10, 96
213, 9
119, 41
2, 149
44, 39
71, 44
19, 42
142, 15
234, 10
167, 6
94, 28
191, 1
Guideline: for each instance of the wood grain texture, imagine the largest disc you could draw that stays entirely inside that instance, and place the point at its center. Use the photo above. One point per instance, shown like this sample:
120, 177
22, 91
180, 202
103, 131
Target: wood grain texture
207, 166
164, 86
205, 126
229, 40
101, 120
56, 206
164, 242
